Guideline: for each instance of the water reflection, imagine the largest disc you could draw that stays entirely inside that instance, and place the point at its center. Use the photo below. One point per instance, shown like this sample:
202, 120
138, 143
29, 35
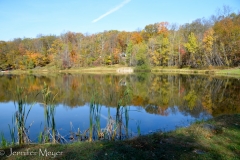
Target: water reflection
153, 102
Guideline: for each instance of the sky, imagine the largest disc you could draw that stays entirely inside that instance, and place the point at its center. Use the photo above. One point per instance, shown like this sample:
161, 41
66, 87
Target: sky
29, 18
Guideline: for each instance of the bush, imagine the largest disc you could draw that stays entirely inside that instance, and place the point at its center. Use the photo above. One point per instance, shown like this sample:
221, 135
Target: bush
143, 67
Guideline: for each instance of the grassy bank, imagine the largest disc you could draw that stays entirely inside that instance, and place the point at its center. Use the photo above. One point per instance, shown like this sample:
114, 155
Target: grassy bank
234, 71
113, 69
218, 138
217, 71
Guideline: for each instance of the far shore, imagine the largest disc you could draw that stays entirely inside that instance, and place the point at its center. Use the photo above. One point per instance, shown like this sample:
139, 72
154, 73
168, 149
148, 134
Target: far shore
128, 70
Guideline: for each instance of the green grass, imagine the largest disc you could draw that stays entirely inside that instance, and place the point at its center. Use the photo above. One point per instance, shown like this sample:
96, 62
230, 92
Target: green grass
194, 142
234, 71
3, 143
113, 68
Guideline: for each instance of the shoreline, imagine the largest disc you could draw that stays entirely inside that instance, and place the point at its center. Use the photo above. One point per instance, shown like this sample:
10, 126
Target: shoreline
115, 70
209, 139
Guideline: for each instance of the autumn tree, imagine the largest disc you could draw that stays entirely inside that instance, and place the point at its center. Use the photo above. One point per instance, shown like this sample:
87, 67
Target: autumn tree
158, 50
136, 38
3, 59
163, 28
123, 38
152, 52
227, 33
150, 31
55, 51
208, 41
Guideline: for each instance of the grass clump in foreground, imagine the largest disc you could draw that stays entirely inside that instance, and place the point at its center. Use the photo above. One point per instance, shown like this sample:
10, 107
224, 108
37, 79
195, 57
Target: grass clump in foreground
218, 138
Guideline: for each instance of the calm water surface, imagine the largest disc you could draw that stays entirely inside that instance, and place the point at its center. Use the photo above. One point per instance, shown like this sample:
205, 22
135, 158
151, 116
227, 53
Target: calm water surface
154, 102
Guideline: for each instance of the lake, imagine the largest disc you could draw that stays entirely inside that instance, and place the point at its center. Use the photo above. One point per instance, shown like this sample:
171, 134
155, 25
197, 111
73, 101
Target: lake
130, 104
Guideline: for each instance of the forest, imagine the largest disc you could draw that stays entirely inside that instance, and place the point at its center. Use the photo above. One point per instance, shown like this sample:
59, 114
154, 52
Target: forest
202, 43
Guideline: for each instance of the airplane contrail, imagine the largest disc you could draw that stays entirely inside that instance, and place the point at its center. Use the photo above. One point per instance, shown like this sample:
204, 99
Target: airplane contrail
112, 10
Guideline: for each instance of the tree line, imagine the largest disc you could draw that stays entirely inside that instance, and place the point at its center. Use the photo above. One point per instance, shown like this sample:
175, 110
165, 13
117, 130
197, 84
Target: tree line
201, 43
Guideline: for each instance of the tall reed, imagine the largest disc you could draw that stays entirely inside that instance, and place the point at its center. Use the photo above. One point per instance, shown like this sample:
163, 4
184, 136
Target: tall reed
21, 116
138, 128
122, 108
49, 115
115, 128
126, 120
12, 132
91, 119
97, 120
94, 118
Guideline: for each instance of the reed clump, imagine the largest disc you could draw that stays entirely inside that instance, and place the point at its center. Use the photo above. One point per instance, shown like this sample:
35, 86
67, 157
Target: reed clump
50, 133
21, 117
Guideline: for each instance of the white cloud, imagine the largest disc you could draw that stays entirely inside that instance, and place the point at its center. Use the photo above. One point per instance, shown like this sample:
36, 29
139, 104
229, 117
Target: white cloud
112, 10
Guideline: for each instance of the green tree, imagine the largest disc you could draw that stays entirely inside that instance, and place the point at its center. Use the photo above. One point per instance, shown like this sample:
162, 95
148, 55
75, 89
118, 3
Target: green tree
141, 58
192, 47
129, 57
